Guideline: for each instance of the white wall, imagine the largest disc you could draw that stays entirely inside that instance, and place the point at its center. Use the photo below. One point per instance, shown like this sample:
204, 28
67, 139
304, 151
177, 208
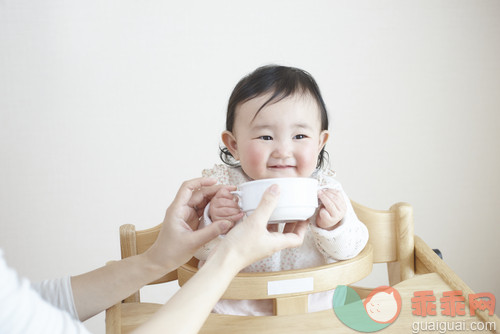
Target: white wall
106, 107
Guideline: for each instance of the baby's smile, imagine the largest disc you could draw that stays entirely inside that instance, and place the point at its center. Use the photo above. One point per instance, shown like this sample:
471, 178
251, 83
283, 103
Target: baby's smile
281, 166
282, 170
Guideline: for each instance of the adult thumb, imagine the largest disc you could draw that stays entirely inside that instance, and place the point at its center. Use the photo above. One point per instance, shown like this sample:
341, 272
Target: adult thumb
267, 205
211, 231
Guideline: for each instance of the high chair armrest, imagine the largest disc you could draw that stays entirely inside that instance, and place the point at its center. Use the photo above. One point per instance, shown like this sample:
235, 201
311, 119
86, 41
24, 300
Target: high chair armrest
426, 260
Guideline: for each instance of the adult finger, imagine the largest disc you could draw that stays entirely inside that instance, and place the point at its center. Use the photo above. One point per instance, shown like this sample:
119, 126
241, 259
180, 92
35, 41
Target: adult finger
236, 217
300, 228
187, 188
292, 239
203, 195
209, 232
296, 227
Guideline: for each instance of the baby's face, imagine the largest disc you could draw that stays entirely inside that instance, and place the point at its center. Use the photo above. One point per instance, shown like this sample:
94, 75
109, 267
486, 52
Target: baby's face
283, 140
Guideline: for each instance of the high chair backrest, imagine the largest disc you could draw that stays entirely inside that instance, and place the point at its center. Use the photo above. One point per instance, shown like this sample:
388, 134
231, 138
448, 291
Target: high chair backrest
391, 234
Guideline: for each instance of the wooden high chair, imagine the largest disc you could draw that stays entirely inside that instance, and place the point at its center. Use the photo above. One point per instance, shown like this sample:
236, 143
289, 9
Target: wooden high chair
391, 241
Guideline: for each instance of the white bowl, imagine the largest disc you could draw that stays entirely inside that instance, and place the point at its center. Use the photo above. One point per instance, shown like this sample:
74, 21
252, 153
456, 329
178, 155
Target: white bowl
298, 198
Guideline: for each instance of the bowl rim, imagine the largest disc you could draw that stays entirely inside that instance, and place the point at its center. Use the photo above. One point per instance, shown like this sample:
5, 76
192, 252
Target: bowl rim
281, 179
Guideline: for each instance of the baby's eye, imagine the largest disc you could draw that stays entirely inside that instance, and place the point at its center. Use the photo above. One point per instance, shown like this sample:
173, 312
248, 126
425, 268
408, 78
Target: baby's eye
266, 137
300, 137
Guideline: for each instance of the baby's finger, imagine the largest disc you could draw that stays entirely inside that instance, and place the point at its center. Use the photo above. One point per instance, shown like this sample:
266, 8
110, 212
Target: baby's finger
333, 194
339, 203
324, 218
225, 203
226, 212
225, 192
327, 202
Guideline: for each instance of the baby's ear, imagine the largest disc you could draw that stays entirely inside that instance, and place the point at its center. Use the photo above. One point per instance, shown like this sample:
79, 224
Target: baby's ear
230, 142
323, 138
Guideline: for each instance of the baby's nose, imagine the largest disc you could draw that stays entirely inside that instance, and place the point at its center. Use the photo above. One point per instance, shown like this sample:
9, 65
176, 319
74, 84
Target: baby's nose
282, 150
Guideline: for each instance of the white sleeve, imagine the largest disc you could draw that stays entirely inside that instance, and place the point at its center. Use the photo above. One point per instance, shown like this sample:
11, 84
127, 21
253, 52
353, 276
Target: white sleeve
58, 292
347, 240
23, 311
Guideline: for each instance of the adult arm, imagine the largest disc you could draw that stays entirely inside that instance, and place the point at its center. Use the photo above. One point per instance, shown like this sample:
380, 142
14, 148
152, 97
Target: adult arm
247, 242
23, 311
97, 290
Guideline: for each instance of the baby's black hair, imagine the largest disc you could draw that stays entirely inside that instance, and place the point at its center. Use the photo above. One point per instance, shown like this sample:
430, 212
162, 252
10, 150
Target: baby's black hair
282, 81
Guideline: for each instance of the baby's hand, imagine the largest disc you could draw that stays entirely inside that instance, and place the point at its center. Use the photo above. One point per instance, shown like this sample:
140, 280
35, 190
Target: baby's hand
224, 207
331, 210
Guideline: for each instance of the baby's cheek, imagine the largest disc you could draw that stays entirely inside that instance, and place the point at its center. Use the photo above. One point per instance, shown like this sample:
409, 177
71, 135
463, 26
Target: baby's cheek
306, 162
255, 156
254, 161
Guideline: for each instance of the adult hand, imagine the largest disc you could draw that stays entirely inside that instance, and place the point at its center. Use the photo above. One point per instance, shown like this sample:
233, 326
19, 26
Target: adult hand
250, 240
247, 242
176, 243
179, 237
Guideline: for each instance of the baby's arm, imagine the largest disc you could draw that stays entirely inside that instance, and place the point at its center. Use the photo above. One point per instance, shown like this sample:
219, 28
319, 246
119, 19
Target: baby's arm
221, 207
346, 238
